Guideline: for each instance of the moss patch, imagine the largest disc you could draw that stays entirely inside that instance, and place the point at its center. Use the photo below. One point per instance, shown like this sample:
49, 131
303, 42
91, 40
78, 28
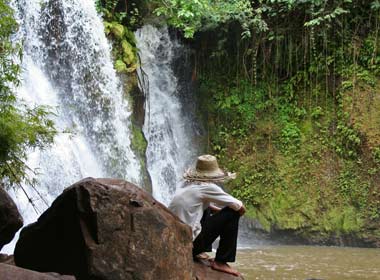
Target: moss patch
298, 174
139, 143
123, 46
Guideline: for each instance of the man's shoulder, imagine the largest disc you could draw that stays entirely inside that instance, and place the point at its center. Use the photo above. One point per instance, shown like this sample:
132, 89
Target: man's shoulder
210, 187
202, 185
198, 188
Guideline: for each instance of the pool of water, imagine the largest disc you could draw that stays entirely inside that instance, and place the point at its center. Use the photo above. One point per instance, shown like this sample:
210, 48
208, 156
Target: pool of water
308, 262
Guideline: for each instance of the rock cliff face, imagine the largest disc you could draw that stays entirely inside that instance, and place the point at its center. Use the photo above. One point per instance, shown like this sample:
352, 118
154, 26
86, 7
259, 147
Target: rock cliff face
107, 229
10, 219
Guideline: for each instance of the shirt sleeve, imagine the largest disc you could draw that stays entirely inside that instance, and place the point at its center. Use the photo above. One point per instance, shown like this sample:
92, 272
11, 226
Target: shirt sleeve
213, 193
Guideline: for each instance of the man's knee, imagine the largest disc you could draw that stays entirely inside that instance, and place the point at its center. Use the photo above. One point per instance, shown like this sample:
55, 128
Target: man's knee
230, 213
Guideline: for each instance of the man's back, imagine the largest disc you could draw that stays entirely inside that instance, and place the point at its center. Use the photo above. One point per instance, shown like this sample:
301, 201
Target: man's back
200, 192
191, 200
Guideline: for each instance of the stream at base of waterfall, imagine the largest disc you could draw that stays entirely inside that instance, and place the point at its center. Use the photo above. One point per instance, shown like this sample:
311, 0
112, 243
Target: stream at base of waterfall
308, 262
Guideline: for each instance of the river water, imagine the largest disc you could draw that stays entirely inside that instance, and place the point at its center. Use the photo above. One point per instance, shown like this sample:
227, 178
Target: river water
308, 262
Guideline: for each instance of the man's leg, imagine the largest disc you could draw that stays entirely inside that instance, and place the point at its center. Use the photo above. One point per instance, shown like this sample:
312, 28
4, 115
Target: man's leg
228, 238
224, 224
199, 245
205, 217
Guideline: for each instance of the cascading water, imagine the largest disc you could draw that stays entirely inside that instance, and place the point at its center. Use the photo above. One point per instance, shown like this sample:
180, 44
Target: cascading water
67, 65
169, 123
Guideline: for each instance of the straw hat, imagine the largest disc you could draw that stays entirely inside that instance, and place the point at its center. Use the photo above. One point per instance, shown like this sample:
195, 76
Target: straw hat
207, 169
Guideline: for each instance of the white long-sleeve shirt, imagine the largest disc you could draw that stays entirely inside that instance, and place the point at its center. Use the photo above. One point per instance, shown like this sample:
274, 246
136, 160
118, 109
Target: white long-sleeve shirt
190, 201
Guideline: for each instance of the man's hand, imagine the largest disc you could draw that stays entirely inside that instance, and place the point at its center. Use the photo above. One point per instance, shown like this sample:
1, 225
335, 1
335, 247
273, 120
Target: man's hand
242, 210
214, 208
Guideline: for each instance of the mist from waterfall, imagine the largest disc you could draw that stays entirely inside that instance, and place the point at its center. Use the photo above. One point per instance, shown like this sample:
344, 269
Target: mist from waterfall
67, 65
170, 126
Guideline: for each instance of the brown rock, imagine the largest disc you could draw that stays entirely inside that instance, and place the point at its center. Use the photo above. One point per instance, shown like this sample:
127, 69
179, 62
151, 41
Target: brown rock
202, 271
107, 229
10, 272
7, 259
10, 219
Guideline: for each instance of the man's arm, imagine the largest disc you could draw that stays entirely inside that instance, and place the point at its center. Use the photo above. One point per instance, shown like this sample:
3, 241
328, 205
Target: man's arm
214, 208
242, 210
214, 194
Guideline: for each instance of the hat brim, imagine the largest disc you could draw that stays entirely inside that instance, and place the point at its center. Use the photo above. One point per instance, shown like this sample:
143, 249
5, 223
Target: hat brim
219, 176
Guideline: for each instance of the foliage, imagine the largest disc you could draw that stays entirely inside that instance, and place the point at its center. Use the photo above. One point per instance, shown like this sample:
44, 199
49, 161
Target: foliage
124, 50
303, 159
353, 190
186, 15
289, 91
21, 128
138, 142
126, 13
348, 141
192, 16
235, 104
118, 24
376, 155
8, 70
290, 135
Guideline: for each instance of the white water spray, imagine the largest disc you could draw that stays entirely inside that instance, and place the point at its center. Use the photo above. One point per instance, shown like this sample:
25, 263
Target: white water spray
67, 65
168, 126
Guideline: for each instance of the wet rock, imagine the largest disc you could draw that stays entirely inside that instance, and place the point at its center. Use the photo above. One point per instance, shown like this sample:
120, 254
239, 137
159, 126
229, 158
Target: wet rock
107, 229
252, 229
203, 271
138, 95
10, 219
10, 272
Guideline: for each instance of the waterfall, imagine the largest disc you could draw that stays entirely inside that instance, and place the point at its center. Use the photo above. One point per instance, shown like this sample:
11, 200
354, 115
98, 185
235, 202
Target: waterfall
169, 126
67, 65
174, 136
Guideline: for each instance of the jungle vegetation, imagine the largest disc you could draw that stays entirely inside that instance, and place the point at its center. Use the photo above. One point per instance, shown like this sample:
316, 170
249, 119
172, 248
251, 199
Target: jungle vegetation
290, 94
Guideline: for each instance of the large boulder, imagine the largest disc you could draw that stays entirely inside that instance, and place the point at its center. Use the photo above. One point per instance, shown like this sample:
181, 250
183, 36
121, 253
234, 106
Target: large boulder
10, 272
10, 219
107, 229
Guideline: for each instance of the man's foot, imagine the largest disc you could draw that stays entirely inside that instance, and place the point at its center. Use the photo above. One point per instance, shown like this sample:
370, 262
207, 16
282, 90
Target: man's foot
224, 267
202, 256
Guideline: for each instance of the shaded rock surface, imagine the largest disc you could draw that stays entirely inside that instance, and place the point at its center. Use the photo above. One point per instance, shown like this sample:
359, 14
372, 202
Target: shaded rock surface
107, 229
253, 229
10, 219
7, 259
203, 271
10, 272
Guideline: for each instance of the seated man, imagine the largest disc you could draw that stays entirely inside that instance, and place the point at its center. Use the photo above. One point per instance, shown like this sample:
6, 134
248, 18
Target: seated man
200, 193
